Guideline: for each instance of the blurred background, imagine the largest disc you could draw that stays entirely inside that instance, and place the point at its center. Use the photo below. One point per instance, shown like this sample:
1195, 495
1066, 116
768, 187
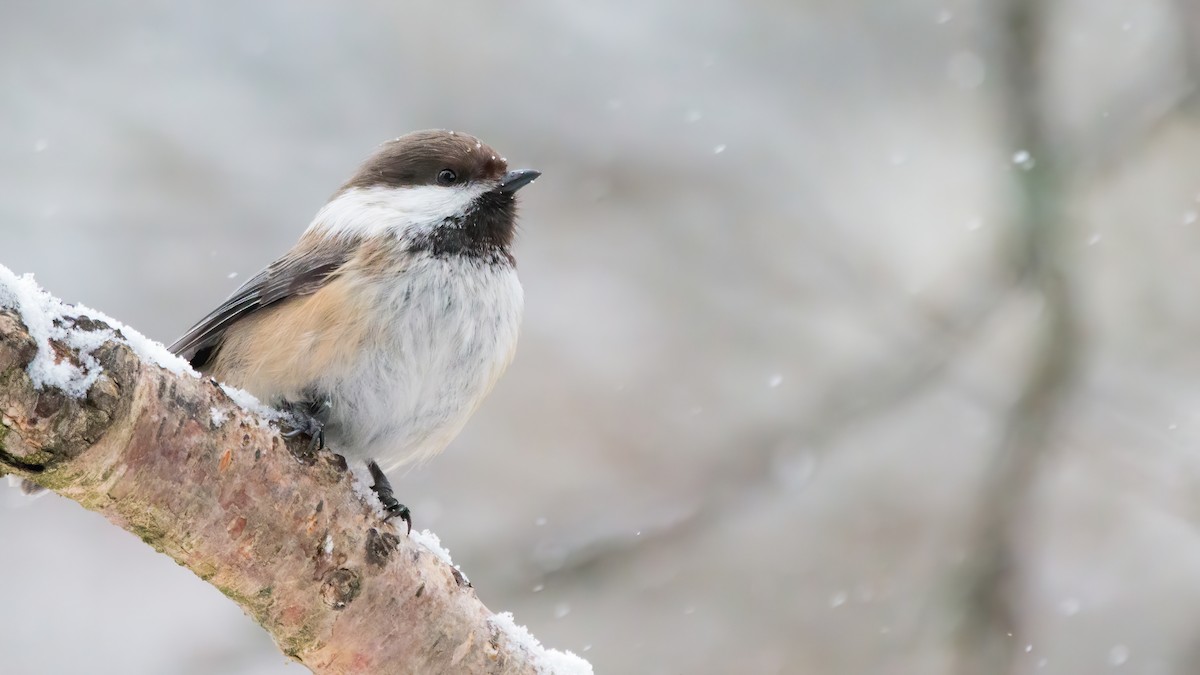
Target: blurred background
861, 335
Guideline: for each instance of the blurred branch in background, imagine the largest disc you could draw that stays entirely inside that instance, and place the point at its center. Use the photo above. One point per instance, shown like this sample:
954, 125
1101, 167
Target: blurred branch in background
1189, 14
988, 635
915, 365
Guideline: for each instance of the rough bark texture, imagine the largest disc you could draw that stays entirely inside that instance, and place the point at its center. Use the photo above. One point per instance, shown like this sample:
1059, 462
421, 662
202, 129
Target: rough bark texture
278, 530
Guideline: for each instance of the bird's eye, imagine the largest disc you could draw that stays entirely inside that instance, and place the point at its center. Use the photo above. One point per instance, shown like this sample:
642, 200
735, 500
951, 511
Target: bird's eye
447, 177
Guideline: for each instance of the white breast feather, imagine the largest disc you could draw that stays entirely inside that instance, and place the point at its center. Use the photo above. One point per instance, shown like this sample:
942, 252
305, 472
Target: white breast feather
446, 330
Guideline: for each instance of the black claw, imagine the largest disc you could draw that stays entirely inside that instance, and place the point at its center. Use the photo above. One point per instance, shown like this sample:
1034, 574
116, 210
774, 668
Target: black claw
397, 510
308, 418
387, 497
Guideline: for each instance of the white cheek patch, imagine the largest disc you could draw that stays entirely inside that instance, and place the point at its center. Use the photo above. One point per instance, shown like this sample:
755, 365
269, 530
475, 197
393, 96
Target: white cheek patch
382, 210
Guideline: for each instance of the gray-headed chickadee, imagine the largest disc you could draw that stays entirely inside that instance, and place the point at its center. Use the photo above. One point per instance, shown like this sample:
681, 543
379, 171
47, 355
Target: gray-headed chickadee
391, 319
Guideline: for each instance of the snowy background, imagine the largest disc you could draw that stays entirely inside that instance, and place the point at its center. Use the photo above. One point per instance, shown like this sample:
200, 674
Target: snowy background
776, 327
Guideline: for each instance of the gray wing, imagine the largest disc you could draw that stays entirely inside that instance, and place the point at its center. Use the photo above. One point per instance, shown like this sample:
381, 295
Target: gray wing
287, 277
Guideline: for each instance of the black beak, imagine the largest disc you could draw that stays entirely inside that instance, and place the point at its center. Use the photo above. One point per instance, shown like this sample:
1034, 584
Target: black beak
515, 180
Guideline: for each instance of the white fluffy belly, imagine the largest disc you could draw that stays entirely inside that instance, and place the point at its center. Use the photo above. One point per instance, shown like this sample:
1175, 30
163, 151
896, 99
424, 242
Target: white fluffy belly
444, 331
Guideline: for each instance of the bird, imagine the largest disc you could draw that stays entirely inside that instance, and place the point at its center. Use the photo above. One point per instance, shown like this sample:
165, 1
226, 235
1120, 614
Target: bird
392, 317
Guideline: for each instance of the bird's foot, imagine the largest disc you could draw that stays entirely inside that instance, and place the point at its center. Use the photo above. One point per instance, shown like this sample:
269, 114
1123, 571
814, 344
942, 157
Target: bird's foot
31, 488
308, 418
387, 497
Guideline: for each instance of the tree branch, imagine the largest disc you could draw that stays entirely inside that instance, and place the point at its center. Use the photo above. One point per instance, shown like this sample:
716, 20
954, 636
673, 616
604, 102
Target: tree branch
984, 639
88, 410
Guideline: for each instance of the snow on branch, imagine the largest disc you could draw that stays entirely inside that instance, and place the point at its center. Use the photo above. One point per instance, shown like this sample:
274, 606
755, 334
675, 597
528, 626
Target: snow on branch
94, 411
